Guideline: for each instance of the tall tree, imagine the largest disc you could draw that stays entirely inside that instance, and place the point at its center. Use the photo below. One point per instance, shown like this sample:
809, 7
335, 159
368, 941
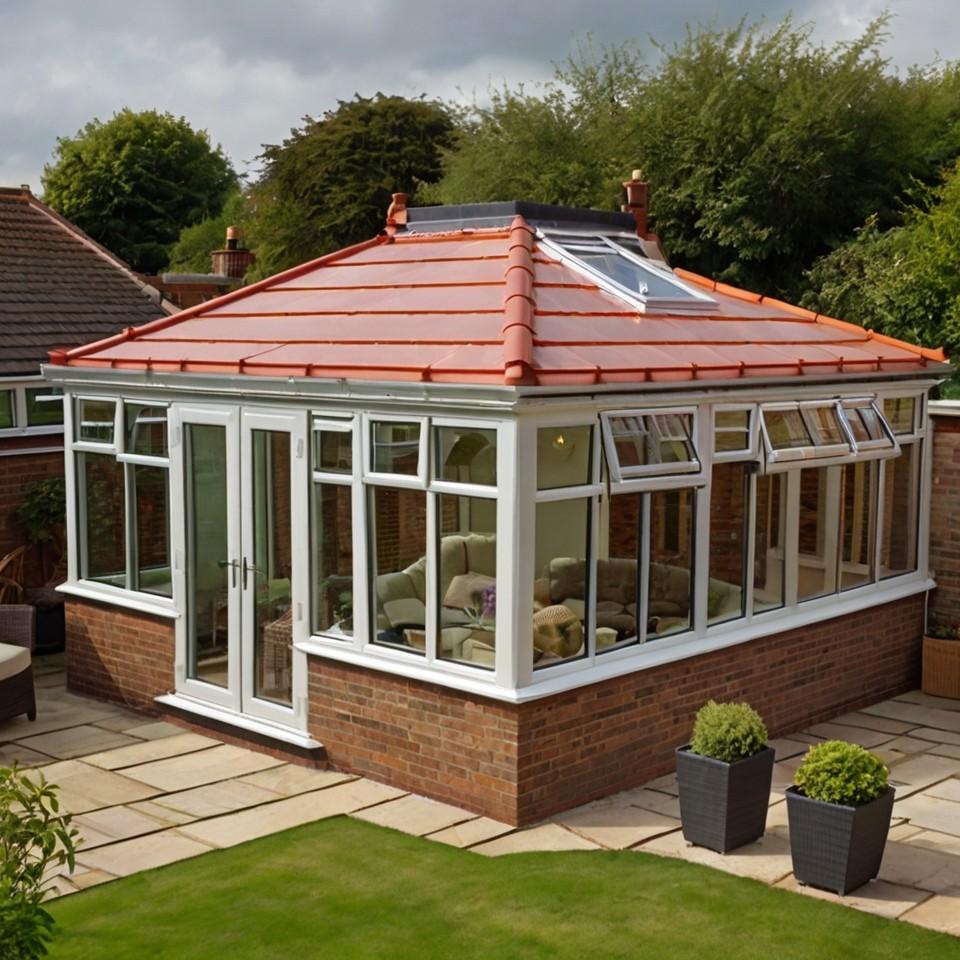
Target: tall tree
329, 183
134, 181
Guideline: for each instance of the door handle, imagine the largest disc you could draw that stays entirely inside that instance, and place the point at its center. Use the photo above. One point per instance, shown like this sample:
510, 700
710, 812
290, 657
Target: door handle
246, 567
232, 564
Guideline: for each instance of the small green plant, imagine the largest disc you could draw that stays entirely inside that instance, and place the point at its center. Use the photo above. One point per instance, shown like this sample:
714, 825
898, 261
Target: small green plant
728, 731
41, 513
34, 836
841, 772
943, 631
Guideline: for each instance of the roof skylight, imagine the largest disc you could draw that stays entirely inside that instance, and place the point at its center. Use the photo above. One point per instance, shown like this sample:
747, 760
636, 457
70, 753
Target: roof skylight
620, 266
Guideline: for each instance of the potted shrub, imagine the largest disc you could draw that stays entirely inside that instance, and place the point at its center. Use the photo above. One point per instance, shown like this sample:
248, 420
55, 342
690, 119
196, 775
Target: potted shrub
941, 661
839, 811
724, 777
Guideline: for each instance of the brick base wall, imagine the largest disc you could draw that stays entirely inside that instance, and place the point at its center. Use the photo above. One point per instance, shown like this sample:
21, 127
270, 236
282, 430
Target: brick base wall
118, 655
945, 519
522, 762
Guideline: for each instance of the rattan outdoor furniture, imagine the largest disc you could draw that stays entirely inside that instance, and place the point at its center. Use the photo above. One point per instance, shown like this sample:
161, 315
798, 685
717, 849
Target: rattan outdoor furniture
17, 631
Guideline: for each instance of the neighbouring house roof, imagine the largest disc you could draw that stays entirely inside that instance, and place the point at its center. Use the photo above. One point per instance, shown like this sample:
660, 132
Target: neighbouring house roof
474, 296
59, 288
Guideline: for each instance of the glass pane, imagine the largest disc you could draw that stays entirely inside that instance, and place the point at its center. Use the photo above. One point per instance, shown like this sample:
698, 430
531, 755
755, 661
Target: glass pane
468, 580
670, 577
44, 406
564, 456
272, 564
397, 522
769, 542
96, 420
816, 563
467, 455
146, 429
151, 506
785, 428
332, 544
728, 542
101, 494
646, 283
617, 603
653, 439
333, 451
7, 410
560, 588
396, 448
859, 498
898, 551
209, 563
731, 430
865, 423
633, 441
827, 429
900, 413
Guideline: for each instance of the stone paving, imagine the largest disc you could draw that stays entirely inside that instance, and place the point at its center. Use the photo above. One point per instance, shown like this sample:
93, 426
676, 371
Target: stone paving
147, 793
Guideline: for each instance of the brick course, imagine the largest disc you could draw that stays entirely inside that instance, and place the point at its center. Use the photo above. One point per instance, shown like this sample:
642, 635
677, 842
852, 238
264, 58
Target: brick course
118, 655
522, 762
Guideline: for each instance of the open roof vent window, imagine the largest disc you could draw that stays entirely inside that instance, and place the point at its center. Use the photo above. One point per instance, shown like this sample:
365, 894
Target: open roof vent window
824, 430
620, 266
650, 444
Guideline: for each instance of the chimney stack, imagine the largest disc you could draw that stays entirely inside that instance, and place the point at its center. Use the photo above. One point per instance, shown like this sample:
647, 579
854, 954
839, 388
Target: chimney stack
637, 190
233, 260
397, 213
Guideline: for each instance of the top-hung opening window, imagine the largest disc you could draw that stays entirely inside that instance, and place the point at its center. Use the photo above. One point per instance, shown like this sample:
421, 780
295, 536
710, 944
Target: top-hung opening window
646, 443
620, 265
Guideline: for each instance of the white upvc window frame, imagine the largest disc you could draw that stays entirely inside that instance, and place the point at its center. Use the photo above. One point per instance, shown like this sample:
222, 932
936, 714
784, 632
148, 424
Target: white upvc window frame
752, 450
881, 447
813, 454
416, 481
18, 388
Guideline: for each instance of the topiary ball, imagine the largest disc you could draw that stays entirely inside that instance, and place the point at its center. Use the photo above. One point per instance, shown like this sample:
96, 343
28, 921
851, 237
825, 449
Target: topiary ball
728, 731
842, 773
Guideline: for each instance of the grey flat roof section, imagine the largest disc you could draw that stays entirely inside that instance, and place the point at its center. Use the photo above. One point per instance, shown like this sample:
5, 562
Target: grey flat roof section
500, 214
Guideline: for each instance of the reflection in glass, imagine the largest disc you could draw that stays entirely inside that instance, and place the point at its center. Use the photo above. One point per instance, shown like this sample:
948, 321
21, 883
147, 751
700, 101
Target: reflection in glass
44, 406
816, 562
769, 534
786, 428
332, 544
670, 574
564, 456
898, 549
332, 451
561, 571
397, 522
152, 523
146, 429
466, 455
826, 425
396, 448
731, 430
95, 422
900, 413
101, 495
858, 502
728, 541
7, 410
618, 573
468, 579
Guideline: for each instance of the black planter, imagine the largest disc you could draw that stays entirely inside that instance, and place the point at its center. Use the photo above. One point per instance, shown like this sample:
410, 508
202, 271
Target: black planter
723, 805
835, 847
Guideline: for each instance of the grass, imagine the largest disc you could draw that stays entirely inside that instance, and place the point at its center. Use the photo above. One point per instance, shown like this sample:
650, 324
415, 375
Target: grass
345, 889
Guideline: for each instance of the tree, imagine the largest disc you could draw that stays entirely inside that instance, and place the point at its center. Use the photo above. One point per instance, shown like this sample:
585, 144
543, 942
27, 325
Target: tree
329, 183
136, 180
191, 252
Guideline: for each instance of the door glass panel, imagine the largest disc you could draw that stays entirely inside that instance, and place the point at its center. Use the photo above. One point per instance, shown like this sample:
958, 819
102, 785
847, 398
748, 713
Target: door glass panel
271, 558
208, 569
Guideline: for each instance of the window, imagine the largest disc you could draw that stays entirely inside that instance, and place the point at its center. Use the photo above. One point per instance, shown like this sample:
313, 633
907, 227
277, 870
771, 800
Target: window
768, 543
332, 448
564, 457
8, 415
804, 431
817, 539
123, 496
858, 501
648, 444
868, 428
732, 431
396, 448
901, 479
621, 263
618, 609
901, 414
670, 570
728, 541
30, 406
466, 455
44, 406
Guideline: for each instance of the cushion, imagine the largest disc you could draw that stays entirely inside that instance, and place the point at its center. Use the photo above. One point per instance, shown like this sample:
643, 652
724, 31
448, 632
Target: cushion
577, 606
466, 590
409, 611
557, 630
481, 553
617, 580
13, 660
606, 637
664, 608
568, 578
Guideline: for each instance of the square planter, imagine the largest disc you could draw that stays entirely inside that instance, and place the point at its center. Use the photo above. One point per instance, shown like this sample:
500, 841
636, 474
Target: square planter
723, 805
941, 667
836, 847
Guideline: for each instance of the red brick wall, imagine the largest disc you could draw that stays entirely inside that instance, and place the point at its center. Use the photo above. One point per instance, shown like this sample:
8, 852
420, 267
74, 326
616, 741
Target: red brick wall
945, 519
520, 763
117, 654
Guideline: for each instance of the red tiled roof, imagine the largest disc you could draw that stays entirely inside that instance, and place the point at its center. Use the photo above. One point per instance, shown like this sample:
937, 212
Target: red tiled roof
59, 288
487, 306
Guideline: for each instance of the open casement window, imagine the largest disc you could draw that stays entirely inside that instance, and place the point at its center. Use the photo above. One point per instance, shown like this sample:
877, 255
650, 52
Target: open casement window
873, 437
619, 265
651, 448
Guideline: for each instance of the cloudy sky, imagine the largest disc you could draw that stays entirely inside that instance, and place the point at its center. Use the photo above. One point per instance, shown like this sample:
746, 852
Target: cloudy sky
248, 70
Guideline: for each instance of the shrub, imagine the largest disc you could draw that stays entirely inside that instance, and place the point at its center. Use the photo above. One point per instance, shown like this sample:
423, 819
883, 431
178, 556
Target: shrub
33, 837
840, 772
728, 731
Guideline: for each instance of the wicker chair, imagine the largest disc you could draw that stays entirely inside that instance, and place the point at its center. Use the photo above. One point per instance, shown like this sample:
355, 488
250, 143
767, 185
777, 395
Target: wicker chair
17, 632
11, 576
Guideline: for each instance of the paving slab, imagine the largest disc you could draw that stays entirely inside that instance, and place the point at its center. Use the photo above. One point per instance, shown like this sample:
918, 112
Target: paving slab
51, 718
214, 799
766, 859
927, 700
940, 912
884, 899
786, 747
143, 751
663, 803
224, 762
920, 772
11, 753
915, 866
234, 828
783, 771
907, 744
883, 724
617, 827
945, 790
84, 788
838, 731
945, 750
142, 853
903, 831
91, 878
936, 736
290, 779
939, 719
415, 815
154, 730
172, 818
934, 840
548, 837
942, 816
110, 824
665, 784
471, 832
122, 721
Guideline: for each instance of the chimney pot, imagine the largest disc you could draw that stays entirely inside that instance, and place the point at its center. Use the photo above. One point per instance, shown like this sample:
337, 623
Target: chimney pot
232, 238
397, 212
234, 259
637, 190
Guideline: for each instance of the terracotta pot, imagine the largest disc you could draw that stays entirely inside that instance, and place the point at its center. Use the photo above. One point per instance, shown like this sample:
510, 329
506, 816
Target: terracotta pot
941, 667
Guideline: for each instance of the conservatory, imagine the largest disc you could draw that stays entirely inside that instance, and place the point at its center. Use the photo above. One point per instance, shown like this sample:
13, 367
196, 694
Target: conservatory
488, 505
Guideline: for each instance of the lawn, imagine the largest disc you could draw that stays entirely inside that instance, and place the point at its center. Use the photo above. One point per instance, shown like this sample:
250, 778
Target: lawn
341, 888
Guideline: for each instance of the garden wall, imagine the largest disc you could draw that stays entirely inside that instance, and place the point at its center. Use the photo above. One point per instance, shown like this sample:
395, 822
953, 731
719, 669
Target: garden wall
945, 512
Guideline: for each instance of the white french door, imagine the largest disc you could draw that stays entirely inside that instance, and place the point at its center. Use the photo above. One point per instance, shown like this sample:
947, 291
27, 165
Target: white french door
241, 539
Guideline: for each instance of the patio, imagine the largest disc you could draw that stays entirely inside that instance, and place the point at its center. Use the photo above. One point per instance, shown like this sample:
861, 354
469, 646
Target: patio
147, 793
